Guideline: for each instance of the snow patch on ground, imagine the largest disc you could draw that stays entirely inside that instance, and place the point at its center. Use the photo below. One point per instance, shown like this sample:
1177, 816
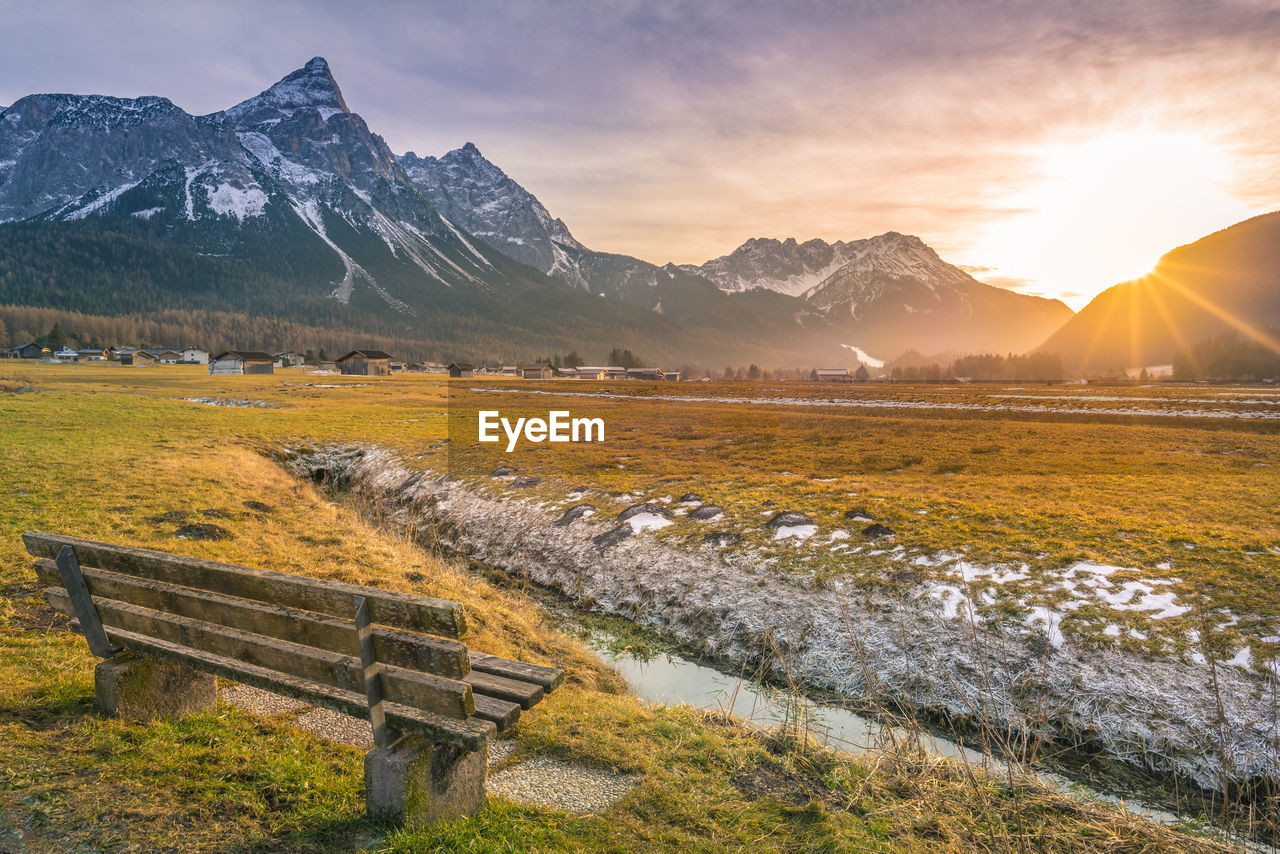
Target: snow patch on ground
648, 522
800, 532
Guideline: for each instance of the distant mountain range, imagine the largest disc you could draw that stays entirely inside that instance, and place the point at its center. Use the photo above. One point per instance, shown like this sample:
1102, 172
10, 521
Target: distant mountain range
1227, 280
288, 205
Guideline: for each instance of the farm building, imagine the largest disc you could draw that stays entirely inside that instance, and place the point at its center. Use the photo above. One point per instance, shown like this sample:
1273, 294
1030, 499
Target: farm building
537, 372
365, 363
241, 362
195, 356
163, 355
91, 355
834, 375
288, 359
671, 376
509, 371
644, 374
137, 357
586, 372
64, 352
31, 350
461, 370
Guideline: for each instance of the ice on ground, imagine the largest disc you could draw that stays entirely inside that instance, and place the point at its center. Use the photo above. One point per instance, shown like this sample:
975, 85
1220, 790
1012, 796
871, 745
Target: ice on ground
800, 532
1242, 659
1051, 620
839, 535
647, 522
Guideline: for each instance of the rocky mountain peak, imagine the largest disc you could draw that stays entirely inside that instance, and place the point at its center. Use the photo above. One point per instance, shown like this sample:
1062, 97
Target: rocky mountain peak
311, 86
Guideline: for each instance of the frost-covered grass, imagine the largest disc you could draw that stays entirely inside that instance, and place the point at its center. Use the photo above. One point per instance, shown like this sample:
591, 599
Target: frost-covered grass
103, 452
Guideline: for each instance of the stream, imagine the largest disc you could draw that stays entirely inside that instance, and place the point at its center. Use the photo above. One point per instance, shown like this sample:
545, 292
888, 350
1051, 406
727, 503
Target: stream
671, 679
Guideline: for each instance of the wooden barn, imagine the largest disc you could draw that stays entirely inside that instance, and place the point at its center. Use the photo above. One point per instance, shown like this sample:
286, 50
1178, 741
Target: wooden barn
365, 363
242, 362
537, 372
461, 370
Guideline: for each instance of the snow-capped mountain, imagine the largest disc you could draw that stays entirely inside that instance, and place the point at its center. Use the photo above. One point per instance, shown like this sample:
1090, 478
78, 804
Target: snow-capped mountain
318, 220
291, 167
288, 205
886, 288
803, 269
480, 197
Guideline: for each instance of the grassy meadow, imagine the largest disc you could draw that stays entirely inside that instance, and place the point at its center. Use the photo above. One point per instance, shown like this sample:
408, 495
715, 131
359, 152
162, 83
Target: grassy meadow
116, 454
1037, 479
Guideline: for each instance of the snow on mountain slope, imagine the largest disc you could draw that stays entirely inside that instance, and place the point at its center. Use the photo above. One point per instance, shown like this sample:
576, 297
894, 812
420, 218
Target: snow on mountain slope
293, 156
478, 196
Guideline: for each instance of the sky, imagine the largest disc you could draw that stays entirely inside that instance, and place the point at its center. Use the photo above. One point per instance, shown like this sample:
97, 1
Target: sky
1052, 148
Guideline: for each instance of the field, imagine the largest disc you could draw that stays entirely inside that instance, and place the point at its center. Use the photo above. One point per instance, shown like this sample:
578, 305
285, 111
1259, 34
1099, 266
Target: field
995, 489
118, 454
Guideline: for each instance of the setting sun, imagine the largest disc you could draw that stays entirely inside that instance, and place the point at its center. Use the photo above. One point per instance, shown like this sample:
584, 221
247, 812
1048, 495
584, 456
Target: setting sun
1105, 208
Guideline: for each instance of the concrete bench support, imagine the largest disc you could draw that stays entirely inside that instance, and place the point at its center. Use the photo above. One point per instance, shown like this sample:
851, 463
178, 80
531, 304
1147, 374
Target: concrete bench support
142, 688
418, 783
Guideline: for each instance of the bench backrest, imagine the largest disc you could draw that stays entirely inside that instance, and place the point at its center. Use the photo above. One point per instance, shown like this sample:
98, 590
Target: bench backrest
392, 657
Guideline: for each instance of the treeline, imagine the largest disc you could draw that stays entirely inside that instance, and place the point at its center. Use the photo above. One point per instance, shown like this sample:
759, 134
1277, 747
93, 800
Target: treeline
208, 329
1044, 367
1230, 356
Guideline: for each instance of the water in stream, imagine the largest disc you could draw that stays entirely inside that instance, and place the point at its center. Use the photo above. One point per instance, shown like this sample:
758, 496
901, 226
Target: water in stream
672, 679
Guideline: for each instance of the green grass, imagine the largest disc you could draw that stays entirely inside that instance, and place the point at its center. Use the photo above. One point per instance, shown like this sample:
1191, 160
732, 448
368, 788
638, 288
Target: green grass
103, 452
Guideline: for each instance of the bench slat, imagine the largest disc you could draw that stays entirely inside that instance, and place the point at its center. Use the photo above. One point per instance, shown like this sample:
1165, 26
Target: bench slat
399, 610
470, 734
524, 694
502, 713
409, 650
446, 697
549, 678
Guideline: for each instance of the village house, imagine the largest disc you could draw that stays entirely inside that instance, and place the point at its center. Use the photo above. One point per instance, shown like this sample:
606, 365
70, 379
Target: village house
137, 358
461, 370
365, 363
288, 359
31, 350
163, 355
537, 372
242, 362
586, 372
509, 371
644, 374
671, 376
117, 352
195, 356
834, 375
91, 355
65, 352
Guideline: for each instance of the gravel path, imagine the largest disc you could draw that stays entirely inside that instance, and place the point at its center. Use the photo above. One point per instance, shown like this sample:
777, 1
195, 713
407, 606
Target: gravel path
539, 781
549, 783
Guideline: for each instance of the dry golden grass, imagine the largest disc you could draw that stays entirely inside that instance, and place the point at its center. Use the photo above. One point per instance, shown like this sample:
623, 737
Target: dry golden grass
104, 452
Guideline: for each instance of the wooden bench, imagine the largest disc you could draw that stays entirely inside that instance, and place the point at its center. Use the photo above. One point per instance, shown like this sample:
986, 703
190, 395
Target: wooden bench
168, 625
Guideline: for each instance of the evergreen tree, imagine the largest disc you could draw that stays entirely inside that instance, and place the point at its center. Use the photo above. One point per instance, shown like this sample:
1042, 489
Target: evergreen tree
861, 375
56, 337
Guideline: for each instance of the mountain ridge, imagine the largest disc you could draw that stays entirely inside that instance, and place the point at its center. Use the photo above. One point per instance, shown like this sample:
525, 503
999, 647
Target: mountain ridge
291, 180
